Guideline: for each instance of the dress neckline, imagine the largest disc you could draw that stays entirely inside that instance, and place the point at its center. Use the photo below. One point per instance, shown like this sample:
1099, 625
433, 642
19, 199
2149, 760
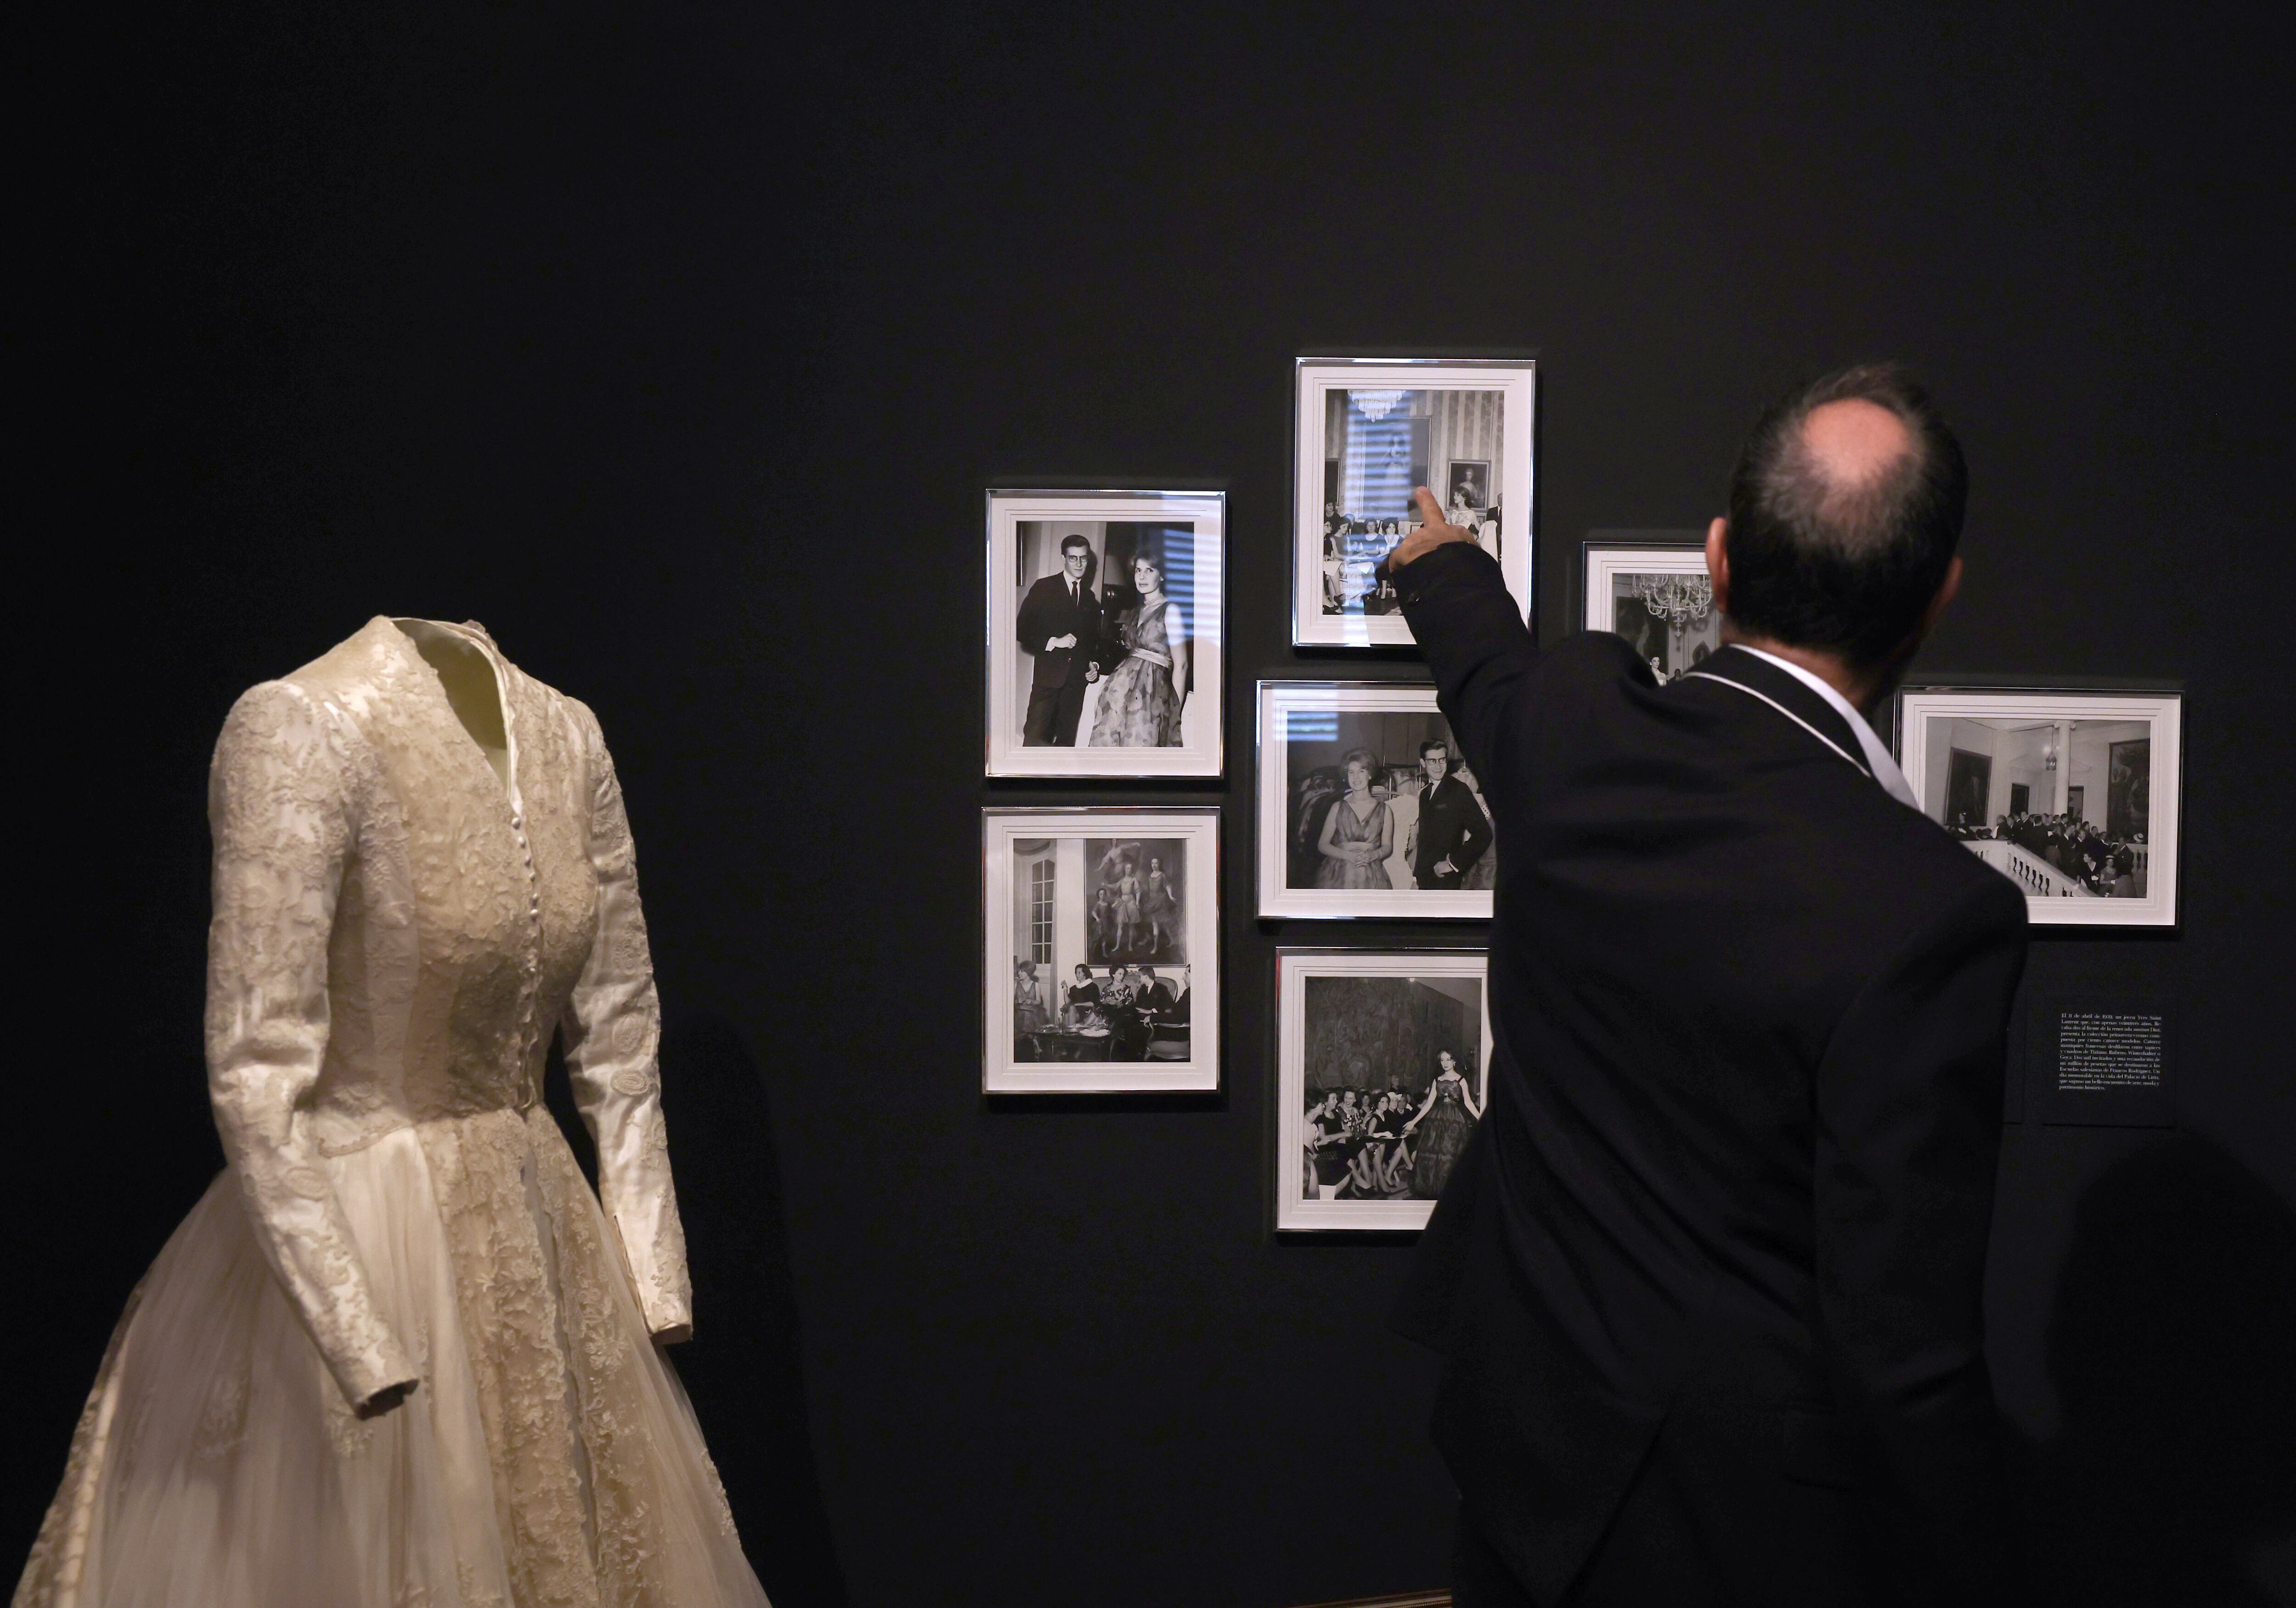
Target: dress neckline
472, 635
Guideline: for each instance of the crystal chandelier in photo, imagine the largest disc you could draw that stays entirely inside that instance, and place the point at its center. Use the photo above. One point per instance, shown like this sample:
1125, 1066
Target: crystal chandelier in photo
1682, 600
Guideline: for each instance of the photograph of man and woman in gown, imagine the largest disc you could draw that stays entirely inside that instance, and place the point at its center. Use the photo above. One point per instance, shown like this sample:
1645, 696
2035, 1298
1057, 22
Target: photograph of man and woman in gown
1380, 1068
1109, 939
1367, 807
1370, 436
1103, 651
1655, 593
2073, 797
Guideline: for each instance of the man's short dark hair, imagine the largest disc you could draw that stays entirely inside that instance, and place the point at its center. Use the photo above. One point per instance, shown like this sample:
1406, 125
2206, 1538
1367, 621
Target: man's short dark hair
1431, 744
1068, 541
1818, 563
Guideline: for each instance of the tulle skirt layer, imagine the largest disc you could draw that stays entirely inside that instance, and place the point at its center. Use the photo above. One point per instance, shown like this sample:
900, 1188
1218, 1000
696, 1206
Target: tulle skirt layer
548, 1457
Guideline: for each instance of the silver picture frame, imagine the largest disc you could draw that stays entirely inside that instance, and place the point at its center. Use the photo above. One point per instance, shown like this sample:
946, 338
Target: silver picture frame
1652, 588
1127, 896
1075, 714
2075, 792
1357, 1168
1366, 430
1307, 734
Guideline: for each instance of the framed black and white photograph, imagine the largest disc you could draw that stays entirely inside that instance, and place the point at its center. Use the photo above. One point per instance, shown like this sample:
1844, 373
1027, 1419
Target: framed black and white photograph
1105, 633
1100, 949
2074, 795
1654, 591
1367, 805
1369, 430
1382, 1070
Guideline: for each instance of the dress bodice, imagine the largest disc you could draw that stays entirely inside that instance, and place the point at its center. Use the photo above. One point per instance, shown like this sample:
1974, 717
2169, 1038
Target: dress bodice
398, 931
1360, 829
1150, 633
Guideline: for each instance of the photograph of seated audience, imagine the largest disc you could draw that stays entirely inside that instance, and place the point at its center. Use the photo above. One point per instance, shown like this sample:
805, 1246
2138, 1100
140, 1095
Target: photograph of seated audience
1102, 617
1100, 966
1379, 445
1392, 1069
2022, 793
1382, 799
1670, 619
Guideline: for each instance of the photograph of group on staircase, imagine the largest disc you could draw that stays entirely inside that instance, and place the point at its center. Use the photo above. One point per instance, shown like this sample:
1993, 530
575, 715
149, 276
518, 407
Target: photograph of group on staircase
2073, 795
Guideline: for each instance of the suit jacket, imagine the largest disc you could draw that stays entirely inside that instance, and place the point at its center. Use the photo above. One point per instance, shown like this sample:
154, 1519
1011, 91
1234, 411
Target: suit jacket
1749, 1020
1451, 826
1046, 612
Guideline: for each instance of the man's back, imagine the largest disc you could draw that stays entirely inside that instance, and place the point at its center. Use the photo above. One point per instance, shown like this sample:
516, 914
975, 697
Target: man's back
1736, 1172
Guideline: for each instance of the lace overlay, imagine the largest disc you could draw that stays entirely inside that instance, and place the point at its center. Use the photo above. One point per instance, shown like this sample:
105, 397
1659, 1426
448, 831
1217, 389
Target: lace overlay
396, 931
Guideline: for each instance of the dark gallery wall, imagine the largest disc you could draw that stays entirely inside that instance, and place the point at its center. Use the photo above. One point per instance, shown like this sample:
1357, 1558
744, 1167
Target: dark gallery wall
677, 346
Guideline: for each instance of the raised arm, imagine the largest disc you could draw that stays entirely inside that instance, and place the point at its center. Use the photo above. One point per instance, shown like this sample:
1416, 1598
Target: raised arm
1467, 623
612, 1031
281, 810
1908, 1109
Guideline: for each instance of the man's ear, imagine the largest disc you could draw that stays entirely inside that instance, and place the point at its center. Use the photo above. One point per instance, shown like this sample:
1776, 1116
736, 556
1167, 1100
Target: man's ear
1947, 590
1718, 563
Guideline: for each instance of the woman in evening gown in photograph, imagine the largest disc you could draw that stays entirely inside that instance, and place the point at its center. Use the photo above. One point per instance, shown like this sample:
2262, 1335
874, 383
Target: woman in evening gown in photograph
1140, 705
1358, 836
1440, 1129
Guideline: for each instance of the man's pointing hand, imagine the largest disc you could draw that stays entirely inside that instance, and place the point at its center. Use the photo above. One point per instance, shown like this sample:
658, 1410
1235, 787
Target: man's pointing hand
1433, 531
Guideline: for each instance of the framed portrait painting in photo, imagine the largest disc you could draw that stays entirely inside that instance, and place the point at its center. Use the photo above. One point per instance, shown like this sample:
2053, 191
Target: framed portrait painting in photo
1105, 633
1652, 588
1367, 805
2075, 795
1382, 1070
1368, 431
1100, 951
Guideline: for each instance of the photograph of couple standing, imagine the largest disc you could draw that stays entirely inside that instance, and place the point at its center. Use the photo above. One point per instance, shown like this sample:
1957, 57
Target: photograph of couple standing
1103, 628
1364, 823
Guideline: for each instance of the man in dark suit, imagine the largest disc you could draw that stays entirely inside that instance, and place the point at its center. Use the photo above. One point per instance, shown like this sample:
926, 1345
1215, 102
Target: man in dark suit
1061, 623
1451, 831
1707, 1277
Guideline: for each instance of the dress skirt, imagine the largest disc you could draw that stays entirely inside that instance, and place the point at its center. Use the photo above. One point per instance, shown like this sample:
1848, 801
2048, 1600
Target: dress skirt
548, 1455
1139, 708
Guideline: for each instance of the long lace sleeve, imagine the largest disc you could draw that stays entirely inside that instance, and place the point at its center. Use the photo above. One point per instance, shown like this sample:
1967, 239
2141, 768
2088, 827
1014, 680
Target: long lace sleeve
277, 806
613, 1034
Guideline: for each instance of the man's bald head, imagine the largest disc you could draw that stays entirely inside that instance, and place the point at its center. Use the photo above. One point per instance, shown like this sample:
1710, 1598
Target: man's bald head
1844, 513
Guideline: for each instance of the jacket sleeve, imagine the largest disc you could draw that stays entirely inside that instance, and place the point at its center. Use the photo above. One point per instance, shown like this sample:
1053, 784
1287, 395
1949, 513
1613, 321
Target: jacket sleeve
612, 1032
1474, 836
280, 811
1909, 1118
1472, 630
1030, 625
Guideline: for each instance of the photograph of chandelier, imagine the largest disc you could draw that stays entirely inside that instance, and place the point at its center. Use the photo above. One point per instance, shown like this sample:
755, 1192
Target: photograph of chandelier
1368, 433
2073, 795
1651, 587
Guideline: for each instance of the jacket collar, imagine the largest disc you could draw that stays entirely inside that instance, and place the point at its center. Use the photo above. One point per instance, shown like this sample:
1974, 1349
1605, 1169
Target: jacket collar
1791, 696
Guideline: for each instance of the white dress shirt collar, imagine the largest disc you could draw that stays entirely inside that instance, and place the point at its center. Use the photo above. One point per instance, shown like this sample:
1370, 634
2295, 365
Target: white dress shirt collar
1877, 756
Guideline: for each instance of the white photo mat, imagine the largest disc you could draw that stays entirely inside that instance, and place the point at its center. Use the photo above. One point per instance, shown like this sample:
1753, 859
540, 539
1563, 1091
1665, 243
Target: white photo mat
1605, 562
1294, 968
1514, 386
2008, 728
1059, 930
1009, 666
1279, 701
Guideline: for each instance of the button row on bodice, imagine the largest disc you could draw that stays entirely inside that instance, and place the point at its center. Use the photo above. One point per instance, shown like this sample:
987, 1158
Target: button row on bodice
529, 1028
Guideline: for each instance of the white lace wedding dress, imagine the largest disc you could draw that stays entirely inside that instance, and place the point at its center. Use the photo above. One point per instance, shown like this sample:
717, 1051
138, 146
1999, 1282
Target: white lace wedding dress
398, 926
